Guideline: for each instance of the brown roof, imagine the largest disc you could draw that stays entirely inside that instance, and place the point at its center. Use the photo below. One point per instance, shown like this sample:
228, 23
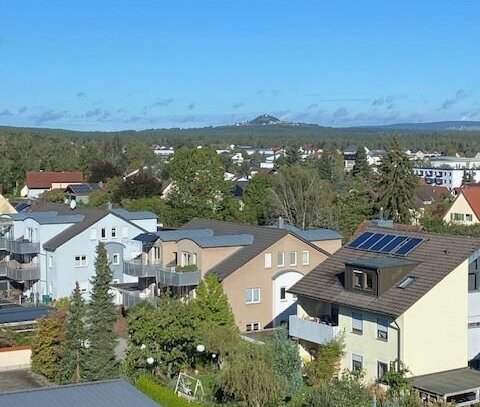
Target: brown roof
263, 238
44, 179
472, 195
436, 257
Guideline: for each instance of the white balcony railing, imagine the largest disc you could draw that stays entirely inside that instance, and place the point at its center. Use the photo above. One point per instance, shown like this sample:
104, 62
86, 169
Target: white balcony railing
312, 331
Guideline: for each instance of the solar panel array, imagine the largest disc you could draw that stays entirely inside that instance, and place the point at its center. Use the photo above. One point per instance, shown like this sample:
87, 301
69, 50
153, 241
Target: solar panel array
385, 243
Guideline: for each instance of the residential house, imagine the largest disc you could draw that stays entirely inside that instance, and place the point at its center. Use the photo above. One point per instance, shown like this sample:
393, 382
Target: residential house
47, 250
80, 192
447, 177
456, 162
349, 157
394, 296
40, 181
465, 209
255, 264
6, 206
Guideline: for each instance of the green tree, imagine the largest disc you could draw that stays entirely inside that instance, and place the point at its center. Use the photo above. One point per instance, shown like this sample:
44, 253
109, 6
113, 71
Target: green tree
330, 166
199, 185
54, 195
211, 303
72, 367
397, 184
302, 198
100, 361
286, 361
48, 346
143, 184
354, 204
164, 333
361, 167
248, 378
256, 200
322, 369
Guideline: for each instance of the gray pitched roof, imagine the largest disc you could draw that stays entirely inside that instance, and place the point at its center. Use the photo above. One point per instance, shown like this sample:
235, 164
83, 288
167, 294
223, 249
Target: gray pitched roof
127, 215
447, 382
263, 238
175, 235
112, 393
436, 257
312, 235
223, 241
18, 313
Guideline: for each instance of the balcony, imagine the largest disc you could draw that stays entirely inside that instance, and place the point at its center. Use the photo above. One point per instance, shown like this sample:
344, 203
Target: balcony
22, 271
3, 243
132, 298
22, 246
165, 275
312, 331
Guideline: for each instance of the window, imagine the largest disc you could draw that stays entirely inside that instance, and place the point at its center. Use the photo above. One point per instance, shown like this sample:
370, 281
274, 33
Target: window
357, 362
283, 293
293, 258
50, 261
472, 281
468, 217
252, 295
357, 323
103, 233
357, 279
306, 258
268, 260
382, 329
406, 282
116, 259
368, 281
280, 259
457, 217
252, 326
81, 261
382, 369
114, 232
157, 254
83, 286
93, 234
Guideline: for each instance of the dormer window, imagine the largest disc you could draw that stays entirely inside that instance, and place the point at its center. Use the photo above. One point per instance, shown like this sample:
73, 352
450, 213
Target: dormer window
362, 280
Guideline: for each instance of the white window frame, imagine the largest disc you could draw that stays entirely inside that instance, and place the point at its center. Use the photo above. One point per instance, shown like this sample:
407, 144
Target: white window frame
114, 233
103, 233
50, 261
378, 365
382, 328
282, 256
252, 325
82, 260
250, 296
285, 293
357, 316
357, 358
306, 258
268, 260
295, 255
116, 256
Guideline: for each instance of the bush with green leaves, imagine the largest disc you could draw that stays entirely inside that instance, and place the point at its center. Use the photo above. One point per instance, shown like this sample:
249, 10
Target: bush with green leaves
321, 370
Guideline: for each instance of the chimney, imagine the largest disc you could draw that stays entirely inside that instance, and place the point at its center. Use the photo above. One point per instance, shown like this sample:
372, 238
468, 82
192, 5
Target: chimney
281, 223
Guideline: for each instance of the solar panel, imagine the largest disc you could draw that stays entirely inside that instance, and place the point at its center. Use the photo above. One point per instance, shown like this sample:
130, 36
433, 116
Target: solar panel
409, 246
383, 242
360, 239
370, 242
393, 244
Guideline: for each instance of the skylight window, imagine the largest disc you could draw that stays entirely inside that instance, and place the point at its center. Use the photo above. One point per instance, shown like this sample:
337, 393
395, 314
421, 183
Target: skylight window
406, 282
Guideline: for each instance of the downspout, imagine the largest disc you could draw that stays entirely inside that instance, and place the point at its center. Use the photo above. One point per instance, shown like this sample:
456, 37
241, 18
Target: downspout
399, 361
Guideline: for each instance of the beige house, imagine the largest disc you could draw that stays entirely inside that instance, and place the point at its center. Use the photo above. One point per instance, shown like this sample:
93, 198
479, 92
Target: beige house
256, 265
465, 210
394, 296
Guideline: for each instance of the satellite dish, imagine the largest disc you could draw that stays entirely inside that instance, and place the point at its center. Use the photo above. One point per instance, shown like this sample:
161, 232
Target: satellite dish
73, 204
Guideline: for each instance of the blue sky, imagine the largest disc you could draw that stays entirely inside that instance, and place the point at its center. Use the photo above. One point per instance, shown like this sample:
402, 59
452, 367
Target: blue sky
108, 65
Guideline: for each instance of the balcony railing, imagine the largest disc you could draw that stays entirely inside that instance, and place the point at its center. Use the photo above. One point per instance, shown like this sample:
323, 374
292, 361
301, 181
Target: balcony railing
132, 298
22, 246
165, 275
312, 331
22, 271
3, 243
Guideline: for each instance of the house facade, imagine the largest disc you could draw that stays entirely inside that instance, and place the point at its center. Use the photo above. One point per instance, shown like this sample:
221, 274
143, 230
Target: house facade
393, 296
465, 210
46, 251
446, 177
37, 182
256, 265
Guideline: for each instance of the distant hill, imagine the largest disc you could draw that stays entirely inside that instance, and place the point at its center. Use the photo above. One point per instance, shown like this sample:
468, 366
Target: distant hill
457, 125
264, 119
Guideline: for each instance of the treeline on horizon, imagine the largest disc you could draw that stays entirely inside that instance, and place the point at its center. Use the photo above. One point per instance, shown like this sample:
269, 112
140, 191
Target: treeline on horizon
260, 136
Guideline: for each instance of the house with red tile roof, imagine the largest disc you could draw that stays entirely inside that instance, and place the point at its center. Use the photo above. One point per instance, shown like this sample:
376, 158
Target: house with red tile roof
465, 210
37, 182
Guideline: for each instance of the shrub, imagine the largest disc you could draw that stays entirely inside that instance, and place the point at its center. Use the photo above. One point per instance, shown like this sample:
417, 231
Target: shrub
321, 370
162, 395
